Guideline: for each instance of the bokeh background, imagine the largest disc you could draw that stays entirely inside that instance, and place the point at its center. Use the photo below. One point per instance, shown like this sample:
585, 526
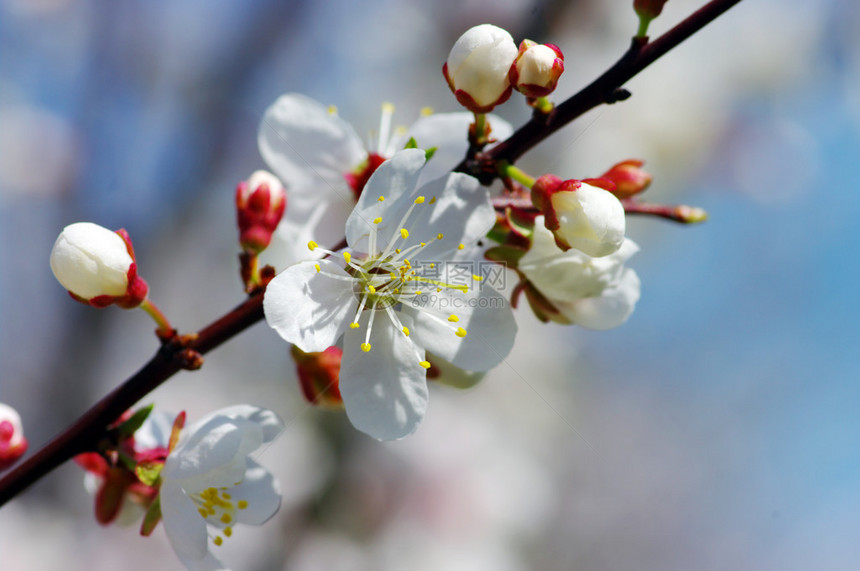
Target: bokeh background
717, 429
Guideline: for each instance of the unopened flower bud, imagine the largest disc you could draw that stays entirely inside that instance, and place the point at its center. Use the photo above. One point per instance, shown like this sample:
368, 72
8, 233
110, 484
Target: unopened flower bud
12, 441
580, 215
648, 9
260, 204
97, 266
629, 178
536, 70
319, 374
478, 65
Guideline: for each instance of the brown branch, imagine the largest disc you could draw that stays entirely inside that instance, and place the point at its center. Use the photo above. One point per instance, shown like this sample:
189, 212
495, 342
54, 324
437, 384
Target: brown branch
180, 353
605, 89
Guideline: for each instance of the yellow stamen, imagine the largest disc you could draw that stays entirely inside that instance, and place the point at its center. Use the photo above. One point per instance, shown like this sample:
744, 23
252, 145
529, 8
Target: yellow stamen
419, 200
425, 364
426, 111
404, 233
477, 278
312, 245
242, 504
377, 220
397, 250
228, 531
332, 109
432, 200
432, 265
226, 518
453, 318
218, 541
371, 289
461, 246
423, 244
460, 332
317, 266
353, 325
406, 331
347, 256
439, 236
365, 347
203, 513
381, 199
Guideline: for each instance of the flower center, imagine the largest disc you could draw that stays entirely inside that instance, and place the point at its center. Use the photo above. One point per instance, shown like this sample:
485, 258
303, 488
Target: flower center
218, 508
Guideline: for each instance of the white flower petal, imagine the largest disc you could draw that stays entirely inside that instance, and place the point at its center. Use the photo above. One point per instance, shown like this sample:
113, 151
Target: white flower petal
610, 309
394, 181
183, 525
309, 148
262, 492
214, 451
90, 260
385, 389
269, 422
309, 308
448, 133
484, 314
590, 219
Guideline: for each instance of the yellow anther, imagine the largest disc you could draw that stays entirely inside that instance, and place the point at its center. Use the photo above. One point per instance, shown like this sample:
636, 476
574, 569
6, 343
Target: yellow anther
419, 200
425, 364
387, 107
453, 318
432, 200
371, 289
353, 325
218, 541
392, 275
381, 199
317, 266
426, 111
432, 265
418, 292
438, 289
203, 513
347, 256
404, 233
396, 250
242, 504
228, 531
406, 331
461, 246
377, 220
423, 244
477, 278
332, 109
460, 332
312, 245
439, 236
226, 496
365, 347
226, 518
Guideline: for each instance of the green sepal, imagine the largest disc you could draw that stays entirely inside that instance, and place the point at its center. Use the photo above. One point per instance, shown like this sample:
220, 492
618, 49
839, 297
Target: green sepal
428, 153
152, 517
148, 472
131, 425
411, 143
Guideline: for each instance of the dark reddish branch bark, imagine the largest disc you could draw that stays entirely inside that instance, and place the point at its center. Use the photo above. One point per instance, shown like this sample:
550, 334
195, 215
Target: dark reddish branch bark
604, 89
85, 433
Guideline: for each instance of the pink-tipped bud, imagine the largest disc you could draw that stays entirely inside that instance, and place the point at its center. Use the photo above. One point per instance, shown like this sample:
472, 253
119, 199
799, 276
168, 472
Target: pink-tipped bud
580, 214
97, 266
478, 65
319, 375
648, 9
260, 204
629, 178
536, 69
12, 441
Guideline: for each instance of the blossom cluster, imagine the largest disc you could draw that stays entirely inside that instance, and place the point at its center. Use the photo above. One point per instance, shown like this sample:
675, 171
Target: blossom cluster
362, 249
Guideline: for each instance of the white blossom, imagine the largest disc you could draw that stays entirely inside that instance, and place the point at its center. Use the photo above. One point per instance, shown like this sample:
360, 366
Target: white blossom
389, 298
593, 292
536, 71
210, 481
321, 159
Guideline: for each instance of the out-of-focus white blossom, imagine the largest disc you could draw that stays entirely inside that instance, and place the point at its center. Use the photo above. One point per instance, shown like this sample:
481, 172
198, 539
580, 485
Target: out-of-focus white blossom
325, 164
478, 66
580, 215
386, 295
595, 293
97, 266
537, 68
12, 441
209, 480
